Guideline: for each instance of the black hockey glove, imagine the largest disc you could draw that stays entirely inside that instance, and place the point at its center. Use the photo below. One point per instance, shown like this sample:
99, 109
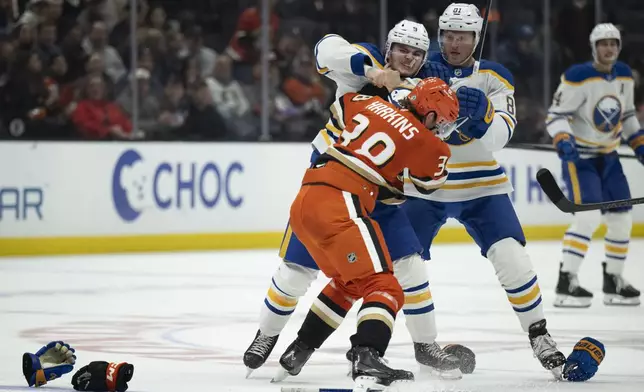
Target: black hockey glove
101, 376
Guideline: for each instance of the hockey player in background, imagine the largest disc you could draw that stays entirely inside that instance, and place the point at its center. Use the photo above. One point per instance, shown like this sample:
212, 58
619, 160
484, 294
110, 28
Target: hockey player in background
476, 190
363, 67
593, 109
382, 152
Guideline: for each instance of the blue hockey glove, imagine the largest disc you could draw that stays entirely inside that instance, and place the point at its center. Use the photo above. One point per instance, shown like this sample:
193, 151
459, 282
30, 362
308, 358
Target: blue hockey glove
435, 69
474, 105
49, 363
637, 144
566, 147
582, 364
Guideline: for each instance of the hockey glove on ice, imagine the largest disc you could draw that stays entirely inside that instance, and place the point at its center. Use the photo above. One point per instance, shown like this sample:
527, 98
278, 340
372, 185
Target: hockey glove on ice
566, 148
582, 364
49, 363
101, 376
637, 144
474, 105
436, 70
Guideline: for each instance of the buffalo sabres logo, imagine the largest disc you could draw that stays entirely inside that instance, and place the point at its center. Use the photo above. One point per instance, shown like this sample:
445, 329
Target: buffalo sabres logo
607, 114
458, 72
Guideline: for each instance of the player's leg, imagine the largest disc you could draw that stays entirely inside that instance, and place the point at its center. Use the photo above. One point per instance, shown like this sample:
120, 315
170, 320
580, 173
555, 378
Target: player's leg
493, 224
619, 222
584, 186
421, 221
290, 281
358, 261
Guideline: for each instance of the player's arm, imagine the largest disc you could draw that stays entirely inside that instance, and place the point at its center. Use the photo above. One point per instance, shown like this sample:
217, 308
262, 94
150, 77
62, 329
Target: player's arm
428, 169
631, 130
491, 116
567, 100
336, 123
335, 54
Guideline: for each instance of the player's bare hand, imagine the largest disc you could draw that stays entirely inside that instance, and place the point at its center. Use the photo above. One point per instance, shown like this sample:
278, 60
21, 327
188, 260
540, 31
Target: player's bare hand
387, 78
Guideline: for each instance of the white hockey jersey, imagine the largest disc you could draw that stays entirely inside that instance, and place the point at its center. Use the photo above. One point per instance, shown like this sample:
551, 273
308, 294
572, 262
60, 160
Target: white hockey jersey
473, 171
597, 108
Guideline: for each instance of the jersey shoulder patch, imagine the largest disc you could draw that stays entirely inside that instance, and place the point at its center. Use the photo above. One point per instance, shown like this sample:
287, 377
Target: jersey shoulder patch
622, 70
498, 71
372, 51
579, 73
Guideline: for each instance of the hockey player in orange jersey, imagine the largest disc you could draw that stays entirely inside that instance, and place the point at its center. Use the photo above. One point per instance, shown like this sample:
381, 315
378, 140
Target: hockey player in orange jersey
383, 153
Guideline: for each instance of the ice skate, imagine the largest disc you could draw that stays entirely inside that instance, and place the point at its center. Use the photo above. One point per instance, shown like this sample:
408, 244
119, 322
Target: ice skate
293, 360
545, 348
258, 351
570, 294
617, 291
370, 372
439, 363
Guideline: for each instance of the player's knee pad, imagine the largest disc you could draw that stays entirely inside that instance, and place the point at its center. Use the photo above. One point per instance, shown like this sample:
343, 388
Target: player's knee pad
384, 287
410, 271
292, 279
619, 224
585, 223
511, 262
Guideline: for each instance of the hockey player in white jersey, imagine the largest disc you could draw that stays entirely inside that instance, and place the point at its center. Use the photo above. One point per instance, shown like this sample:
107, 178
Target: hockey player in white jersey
362, 67
476, 190
593, 109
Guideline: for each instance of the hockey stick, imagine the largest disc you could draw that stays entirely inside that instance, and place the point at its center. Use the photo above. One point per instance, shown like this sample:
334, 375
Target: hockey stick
546, 147
554, 193
477, 63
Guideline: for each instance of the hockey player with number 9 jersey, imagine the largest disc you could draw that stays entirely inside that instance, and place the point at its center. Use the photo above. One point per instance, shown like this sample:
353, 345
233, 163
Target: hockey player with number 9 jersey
382, 151
592, 110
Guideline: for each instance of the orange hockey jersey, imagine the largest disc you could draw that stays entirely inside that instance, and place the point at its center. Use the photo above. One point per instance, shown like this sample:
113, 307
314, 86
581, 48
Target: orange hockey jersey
388, 146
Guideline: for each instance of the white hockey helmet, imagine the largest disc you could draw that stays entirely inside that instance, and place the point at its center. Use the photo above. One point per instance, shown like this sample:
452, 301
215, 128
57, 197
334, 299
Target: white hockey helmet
408, 33
460, 17
604, 31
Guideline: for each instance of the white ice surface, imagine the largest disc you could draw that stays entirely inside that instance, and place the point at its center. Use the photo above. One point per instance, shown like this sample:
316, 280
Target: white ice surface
184, 321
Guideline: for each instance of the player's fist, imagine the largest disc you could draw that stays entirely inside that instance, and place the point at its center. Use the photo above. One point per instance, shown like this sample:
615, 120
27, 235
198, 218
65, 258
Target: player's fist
387, 78
582, 364
566, 147
477, 108
101, 376
436, 69
637, 144
49, 363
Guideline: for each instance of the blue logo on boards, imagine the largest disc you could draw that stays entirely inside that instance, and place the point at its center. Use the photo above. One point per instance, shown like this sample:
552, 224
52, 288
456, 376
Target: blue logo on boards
138, 185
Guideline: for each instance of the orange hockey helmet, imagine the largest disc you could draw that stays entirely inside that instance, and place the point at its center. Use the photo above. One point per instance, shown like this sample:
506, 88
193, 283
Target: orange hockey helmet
434, 95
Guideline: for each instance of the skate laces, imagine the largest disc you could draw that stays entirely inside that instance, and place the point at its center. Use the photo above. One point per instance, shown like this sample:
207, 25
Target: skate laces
544, 345
261, 345
436, 351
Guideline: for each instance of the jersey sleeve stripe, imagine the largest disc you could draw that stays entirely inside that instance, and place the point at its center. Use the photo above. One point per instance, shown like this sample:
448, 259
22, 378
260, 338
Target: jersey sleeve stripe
508, 119
366, 51
510, 128
508, 116
499, 77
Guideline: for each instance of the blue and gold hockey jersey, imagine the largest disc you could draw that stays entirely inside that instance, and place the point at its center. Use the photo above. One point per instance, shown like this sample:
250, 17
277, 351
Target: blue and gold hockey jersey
597, 108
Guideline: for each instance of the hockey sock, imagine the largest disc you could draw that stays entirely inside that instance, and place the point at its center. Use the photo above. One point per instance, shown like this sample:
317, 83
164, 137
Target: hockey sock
326, 314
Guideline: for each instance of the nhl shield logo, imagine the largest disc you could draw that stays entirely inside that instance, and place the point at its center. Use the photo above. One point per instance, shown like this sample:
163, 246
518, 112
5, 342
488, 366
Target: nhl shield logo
352, 258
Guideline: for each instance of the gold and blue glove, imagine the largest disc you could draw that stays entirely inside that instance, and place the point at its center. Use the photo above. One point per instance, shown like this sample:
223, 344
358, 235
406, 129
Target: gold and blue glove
49, 363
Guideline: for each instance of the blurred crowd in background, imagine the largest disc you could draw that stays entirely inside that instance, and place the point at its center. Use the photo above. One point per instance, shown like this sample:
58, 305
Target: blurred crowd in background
65, 65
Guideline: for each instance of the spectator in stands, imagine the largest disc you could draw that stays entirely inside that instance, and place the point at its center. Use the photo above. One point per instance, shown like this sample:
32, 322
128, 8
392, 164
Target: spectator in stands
96, 117
148, 105
6, 16
25, 37
573, 26
103, 10
522, 55
231, 101
7, 53
174, 109
307, 96
96, 42
174, 56
205, 56
26, 99
191, 74
47, 38
254, 94
288, 45
157, 18
204, 122
243, 47
74, 53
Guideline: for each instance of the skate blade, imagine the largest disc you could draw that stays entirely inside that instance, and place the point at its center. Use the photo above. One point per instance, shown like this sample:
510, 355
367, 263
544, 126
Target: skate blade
249, 371
281, 375
567, 301
557, 373
365, 384
618, 300
454, 374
